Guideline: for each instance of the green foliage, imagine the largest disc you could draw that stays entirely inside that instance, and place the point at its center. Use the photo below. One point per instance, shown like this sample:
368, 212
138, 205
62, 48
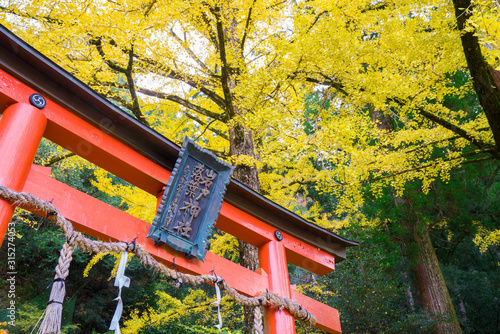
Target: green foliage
473, 280
194, 312
455, 210
179, 328
29, 314
369, 289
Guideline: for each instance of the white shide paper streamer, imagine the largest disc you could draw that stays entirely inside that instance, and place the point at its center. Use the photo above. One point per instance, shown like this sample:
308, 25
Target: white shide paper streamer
120, 281
217, 303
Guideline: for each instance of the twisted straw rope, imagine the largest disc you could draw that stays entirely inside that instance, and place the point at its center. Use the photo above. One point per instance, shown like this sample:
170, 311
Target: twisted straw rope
257, 323
52, 321
75, 238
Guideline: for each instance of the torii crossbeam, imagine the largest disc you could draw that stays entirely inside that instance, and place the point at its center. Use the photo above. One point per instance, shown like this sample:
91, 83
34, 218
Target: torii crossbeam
80, 120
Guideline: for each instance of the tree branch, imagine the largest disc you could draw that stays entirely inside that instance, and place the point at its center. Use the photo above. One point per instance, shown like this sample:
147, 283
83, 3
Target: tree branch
199, 121
149, 8
29, 16
439, 141
438, 120
328, 82
276, 4
431, 164
374, 6
456, 129
225, 66
190, 52
121, 101
247, 24
205, 129
97, 42
171, 74
111, 94
159, 95
316, 19
58, 158
183, 102
452, 127
136, 109
212, 36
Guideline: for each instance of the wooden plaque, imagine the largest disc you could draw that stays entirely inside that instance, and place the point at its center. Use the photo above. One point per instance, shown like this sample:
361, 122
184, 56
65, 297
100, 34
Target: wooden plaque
191, 202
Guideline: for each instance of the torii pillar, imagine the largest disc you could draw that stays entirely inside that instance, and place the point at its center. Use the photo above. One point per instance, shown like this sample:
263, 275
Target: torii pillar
272, 260
21, 130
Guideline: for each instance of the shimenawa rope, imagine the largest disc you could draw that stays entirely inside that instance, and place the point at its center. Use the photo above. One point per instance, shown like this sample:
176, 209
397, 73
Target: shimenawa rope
76, 239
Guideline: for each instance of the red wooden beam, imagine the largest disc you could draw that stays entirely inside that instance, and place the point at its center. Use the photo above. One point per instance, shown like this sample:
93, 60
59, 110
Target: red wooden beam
107, 223
254, 231
102, 221
328, 317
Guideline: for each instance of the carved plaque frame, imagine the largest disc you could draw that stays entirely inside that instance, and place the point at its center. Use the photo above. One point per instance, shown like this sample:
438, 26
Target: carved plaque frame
191, 202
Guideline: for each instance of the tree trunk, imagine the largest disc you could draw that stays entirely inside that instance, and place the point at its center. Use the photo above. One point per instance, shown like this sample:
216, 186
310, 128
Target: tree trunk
429, 281
240, 138
241, 142
483, 79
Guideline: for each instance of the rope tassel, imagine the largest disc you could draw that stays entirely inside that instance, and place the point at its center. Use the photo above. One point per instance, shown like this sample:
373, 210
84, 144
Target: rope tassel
257, 315
51, 324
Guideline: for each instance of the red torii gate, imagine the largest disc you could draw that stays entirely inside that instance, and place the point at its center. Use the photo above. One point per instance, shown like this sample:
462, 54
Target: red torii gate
80, 120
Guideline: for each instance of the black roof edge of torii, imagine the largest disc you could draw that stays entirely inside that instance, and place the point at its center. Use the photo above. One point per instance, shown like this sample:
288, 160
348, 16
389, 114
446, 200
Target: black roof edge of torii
24, 62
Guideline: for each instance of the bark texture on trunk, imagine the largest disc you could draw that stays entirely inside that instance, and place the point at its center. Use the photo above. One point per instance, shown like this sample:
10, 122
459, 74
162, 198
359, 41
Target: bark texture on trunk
430, 283
241, 142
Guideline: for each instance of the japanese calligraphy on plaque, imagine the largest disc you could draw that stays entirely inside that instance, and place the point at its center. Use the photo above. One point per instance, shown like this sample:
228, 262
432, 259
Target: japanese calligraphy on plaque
191, 202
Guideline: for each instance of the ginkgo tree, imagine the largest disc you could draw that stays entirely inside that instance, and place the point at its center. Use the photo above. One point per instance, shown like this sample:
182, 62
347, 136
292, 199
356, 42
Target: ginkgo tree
236, 76
209, 63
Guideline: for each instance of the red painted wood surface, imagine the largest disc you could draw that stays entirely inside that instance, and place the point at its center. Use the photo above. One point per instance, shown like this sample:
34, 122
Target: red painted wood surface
328, 317
272, 259
100, 220
21, 130
254, 231
95, 145
92, 143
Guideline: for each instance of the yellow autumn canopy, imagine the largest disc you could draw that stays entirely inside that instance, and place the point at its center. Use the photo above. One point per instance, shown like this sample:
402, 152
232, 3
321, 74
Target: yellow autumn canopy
198, 68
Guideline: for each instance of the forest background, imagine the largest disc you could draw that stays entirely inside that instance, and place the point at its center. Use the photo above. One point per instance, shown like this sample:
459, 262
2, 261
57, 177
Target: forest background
379, 120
